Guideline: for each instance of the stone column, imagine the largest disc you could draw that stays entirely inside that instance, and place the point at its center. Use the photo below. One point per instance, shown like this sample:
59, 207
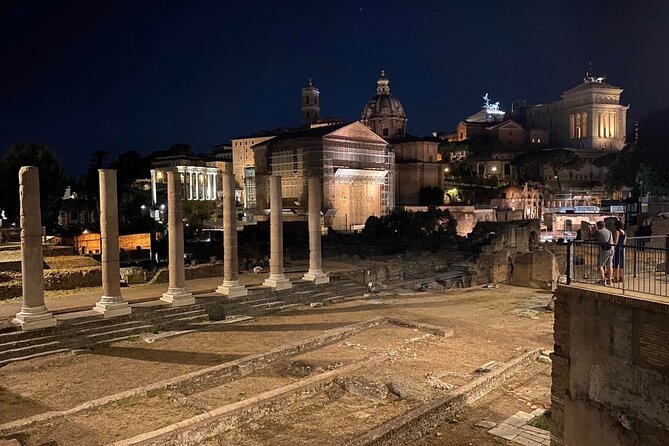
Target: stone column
176, 292
276, 279
230, 286
154, 196
33, 314
315, 191
111, 304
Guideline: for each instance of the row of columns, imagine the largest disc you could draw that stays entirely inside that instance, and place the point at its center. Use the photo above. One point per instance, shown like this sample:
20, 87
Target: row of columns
200, 185
34, 314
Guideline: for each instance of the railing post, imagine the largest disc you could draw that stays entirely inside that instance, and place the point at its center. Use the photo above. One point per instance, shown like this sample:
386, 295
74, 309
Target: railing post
570, 261
666, 254
636, 249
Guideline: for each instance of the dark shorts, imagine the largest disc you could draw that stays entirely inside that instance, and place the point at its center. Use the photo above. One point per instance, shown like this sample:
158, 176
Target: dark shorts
619, 258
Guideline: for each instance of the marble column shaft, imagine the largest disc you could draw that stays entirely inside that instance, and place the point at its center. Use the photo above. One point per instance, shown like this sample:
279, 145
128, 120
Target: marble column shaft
315, 201
33, 312
230, 286
111, 302
176, 292
276, 279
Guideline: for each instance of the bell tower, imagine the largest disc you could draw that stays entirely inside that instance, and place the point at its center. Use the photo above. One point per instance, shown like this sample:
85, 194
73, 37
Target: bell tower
311, 104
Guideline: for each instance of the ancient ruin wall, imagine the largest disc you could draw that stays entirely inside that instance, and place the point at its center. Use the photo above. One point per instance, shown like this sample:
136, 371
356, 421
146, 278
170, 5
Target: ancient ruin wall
610, 369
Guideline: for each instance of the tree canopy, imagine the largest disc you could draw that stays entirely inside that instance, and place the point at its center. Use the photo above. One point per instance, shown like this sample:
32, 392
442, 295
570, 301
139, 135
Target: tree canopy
557, 160
53, 180
430, 196
642, 164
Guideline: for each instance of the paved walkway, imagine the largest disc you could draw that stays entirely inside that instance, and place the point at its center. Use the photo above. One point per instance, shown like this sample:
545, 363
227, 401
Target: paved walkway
143, 292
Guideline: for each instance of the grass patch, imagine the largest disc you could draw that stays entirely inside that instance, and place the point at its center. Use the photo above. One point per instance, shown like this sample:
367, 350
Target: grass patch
543, 422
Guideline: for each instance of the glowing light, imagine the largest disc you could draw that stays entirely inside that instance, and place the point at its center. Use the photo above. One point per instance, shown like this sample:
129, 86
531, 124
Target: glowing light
447, 169
494, 168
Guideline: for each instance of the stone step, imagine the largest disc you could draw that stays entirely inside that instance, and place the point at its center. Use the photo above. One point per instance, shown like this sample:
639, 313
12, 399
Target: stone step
20, 341
189, 320
36, 355
111, 326
89, 322
98, 337
19, 334
29, 350
176, 315
289, 307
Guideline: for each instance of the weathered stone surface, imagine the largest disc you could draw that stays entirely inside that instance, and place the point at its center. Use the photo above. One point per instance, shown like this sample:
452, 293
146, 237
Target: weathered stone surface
505, 431
434, 380
401, 389
485, 424
495, 267
610, 358
536, 269
364, 388
301, 368
544, 359
487, 367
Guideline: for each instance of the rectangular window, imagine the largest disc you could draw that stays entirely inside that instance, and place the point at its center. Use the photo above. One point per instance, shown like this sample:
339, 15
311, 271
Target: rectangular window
385, 132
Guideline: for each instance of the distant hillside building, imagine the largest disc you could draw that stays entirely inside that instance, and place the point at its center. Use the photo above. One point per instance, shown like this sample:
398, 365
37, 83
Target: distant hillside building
384, 113
588, 116
356, 167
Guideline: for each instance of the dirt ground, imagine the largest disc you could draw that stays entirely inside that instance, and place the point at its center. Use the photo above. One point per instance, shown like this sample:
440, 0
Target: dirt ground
489, 324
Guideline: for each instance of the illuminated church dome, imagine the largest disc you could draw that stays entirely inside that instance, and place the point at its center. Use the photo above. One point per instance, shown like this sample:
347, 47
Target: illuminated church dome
384, 113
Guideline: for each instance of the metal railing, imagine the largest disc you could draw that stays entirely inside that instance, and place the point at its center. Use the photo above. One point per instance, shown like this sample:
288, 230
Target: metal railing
641, 265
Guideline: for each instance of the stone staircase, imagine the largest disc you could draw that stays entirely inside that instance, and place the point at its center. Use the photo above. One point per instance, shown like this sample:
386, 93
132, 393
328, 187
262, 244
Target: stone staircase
87, 329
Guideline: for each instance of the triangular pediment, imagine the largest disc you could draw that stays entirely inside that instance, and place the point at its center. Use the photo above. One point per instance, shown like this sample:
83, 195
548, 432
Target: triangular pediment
508, 124
358, 131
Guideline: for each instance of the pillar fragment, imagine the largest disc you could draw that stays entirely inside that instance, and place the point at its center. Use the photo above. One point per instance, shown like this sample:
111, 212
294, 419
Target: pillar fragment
111, 303
33, 314
277, 278
230, 286
176, 294
315, 198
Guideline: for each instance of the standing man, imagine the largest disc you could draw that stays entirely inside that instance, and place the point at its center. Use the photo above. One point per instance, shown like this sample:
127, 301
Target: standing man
604, 238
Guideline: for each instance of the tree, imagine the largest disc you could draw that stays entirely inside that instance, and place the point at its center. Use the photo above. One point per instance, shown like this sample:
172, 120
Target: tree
430, 196
130, 166
642, 163
91, 181
53, 180
557, 160
196, 212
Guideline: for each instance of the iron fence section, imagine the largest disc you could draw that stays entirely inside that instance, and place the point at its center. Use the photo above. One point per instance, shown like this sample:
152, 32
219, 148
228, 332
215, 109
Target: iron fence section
641, 265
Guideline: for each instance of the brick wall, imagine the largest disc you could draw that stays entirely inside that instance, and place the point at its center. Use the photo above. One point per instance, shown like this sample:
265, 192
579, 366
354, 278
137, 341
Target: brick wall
610, 369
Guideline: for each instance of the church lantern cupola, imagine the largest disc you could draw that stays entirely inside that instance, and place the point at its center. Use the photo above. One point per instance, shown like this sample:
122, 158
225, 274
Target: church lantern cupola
384, 113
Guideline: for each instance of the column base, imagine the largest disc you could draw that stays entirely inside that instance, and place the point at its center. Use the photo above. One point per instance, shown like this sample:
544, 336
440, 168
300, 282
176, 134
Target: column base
232, 288
178, 297
317, 277
278, 282
34, 318
112, 308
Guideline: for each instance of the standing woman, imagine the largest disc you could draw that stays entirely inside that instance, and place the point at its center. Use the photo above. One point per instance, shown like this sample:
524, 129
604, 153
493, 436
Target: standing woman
619, 254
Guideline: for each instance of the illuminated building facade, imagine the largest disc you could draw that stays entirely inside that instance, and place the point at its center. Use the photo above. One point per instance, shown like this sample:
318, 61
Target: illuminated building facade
588, 116
356, 166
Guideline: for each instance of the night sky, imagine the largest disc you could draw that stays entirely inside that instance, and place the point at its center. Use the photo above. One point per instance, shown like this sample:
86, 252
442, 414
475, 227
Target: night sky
144, 75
